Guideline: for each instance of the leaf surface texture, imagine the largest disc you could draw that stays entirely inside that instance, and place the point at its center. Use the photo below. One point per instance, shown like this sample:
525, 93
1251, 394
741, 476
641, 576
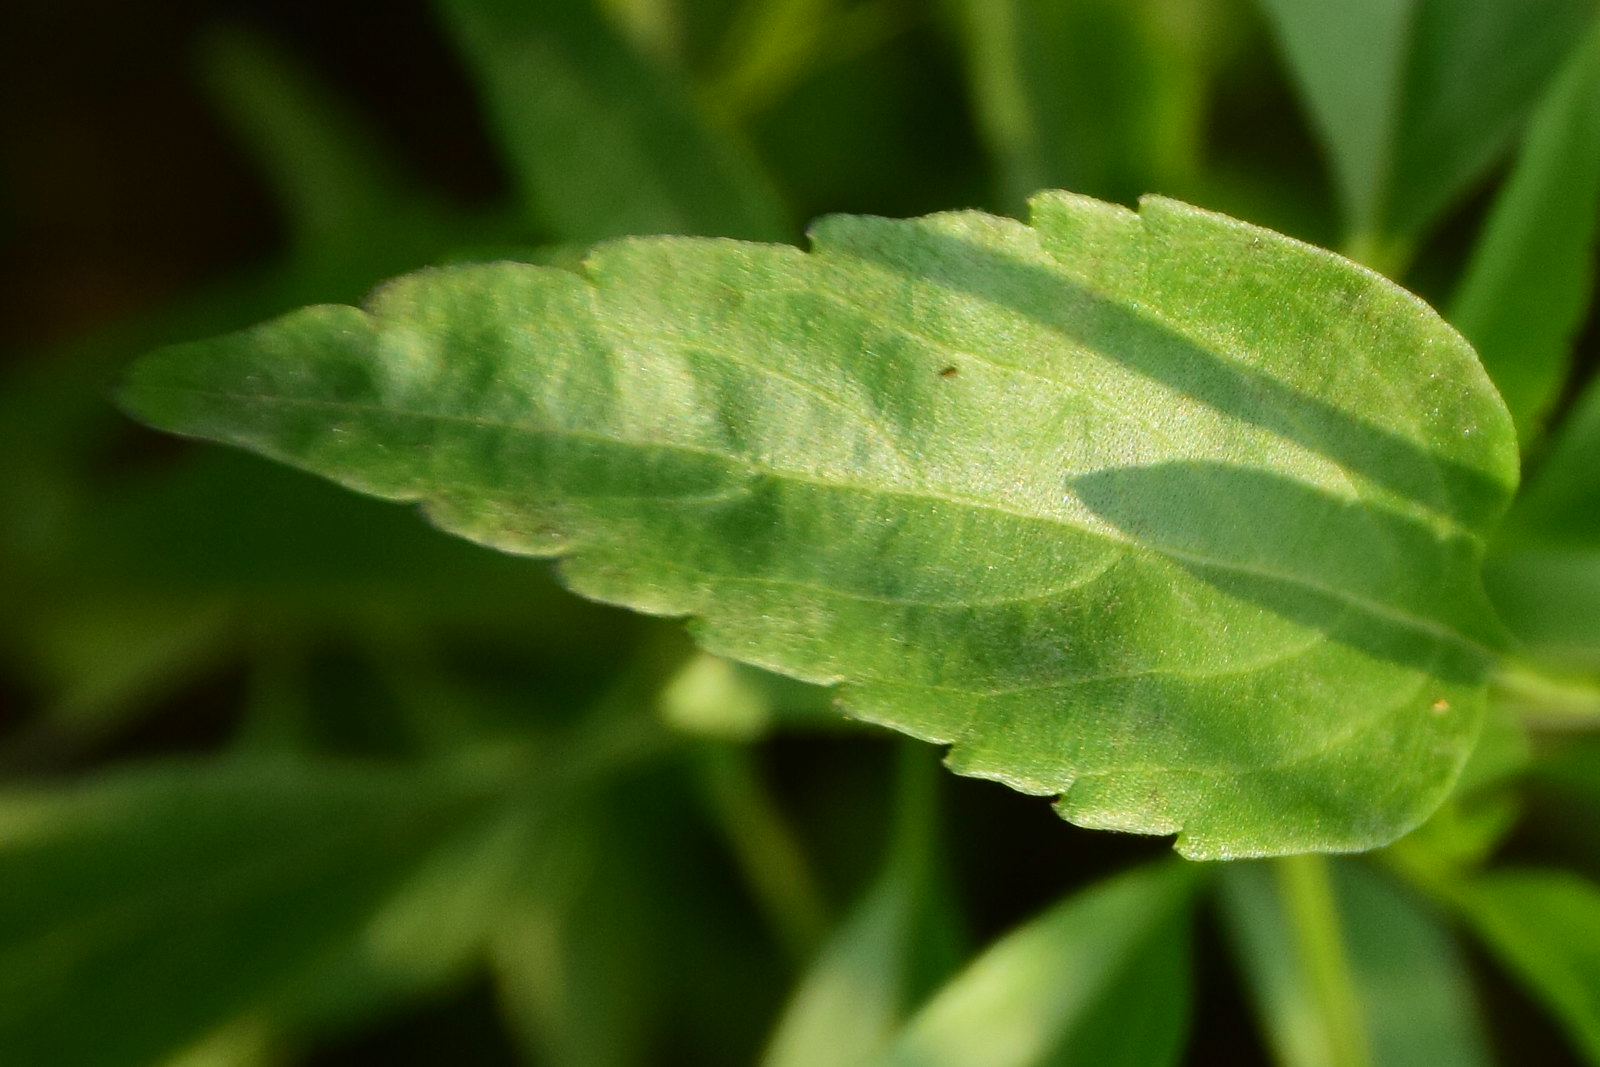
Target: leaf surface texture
1162, 512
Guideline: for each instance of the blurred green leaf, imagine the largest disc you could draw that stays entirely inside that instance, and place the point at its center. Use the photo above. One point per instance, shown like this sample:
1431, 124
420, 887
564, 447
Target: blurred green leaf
774, 44
601, 141
1349, 60
141, 911
1502, 752
124, 580
1531, 277
433, 929
97, 661
1549, 596
1544, 570
354, 212
245, 1042
655, 26
602, 940
691, 427
1545, 927
1415, 1006
1287, 929
334, 182
1055, 991
567, 986
769, 854
1560, 505
1572, 768
894, 946
1098, 96
1414, 99
1476, 69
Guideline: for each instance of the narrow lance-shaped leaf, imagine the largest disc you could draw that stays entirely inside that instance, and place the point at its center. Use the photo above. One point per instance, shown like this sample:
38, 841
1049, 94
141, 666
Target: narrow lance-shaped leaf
1531, 277
1056, 991
896, 943
1092, 95
1545, 926
1414, 1003
1414, 99
602, 142
1544, 573
139, 913
1349, 60
334, 183
1476, 69
1164, 513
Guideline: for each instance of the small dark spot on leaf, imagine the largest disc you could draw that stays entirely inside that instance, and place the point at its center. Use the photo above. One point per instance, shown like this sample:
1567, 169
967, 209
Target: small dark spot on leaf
948, 372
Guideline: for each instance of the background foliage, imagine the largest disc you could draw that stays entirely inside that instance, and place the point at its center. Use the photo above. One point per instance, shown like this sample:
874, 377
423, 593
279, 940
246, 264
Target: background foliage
293, 778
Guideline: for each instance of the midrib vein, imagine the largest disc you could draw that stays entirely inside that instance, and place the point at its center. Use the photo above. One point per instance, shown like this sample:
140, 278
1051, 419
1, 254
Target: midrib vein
1109, 533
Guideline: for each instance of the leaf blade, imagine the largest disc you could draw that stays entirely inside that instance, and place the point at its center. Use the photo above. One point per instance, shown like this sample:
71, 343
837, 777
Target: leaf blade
1094, 96
1350, 62
770, 441
887, 951
1050, 992
1414, 99
1545, 927
166, 902
1530, 276
1408, 972
1476, 69
603, 143
1544, 571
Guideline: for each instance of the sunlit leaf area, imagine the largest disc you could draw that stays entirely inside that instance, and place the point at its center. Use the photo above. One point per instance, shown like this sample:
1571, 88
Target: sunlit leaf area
806, 533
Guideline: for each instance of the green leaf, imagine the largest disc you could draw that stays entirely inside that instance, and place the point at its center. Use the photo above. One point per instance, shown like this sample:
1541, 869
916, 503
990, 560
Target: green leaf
1561, 505
141, 912
1476, 69
572, 954
1162, 512
97, 664
1545, 926
600, 141
431, 931
1549, 596
335, 183
353, 212
1096, 95
1349, 60
1414, 1004
1485, 806
877, 962
1056, 991
771, 45
1531, 276
1414, 99
1544, 572
245, 1042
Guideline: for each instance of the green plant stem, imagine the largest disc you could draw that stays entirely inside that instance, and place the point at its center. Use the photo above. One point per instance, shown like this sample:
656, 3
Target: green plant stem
1545, 701
1308, 895
767, 851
